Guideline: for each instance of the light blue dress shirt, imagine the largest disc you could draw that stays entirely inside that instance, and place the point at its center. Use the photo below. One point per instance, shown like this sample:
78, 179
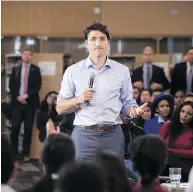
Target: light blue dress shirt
113, 91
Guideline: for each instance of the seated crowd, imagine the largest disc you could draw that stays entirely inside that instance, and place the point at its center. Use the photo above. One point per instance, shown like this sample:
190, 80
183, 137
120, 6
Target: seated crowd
159, 139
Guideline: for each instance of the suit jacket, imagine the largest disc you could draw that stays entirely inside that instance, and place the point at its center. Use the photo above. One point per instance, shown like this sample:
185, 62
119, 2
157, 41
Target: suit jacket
178, 78
34, 85
158, 76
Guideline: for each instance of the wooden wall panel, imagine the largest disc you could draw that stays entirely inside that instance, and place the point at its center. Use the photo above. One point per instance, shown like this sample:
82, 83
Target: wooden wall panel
69, 18
47, 18
126, 18
14, 18
148, 18
39, 17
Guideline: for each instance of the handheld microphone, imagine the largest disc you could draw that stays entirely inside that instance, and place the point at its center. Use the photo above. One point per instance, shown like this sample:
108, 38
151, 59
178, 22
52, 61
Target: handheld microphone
90, 84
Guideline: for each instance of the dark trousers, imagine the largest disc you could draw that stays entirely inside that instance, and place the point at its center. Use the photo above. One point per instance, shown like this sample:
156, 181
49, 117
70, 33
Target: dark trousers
67, 123
26, 115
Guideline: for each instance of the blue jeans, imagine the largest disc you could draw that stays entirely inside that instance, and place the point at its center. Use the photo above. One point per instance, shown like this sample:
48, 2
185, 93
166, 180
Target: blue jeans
87, 142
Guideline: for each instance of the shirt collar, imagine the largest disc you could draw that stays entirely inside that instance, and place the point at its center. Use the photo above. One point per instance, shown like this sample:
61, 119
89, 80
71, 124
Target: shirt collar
145, 65
188, 64
160, 119
90, 64
26, 65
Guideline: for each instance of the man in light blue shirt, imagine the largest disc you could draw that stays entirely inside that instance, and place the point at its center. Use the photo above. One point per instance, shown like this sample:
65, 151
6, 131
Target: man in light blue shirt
97, 124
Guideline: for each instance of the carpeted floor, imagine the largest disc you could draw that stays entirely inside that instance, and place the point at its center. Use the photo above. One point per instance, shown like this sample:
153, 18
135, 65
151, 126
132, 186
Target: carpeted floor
27, 175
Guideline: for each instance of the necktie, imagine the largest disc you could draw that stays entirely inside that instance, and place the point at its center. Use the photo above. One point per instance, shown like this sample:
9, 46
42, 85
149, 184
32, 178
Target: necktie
25, 78
189, 79
148, 77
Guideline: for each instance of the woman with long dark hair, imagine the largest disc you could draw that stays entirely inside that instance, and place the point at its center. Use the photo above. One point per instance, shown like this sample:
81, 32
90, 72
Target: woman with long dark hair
45, 112
178, 135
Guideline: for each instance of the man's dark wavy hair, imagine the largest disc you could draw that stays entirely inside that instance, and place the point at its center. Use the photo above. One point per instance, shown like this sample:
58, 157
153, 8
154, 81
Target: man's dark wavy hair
96, 27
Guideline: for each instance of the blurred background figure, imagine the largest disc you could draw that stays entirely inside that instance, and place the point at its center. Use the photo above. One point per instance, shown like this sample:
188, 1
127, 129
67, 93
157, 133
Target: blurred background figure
182, 75
179, 97
144, 96
85, 177
46, 111
113, 171
67, 61
57, 151
136, 92
189, 97
154, 93
148, 161
149, 76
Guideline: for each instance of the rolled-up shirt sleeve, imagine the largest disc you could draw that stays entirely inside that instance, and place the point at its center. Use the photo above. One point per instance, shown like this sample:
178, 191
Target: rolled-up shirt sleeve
127, 93
67, 90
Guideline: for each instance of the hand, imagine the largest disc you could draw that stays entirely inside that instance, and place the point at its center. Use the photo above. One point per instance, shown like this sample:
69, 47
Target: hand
138, 84
155, 86
134, 112
85, 96
21, 99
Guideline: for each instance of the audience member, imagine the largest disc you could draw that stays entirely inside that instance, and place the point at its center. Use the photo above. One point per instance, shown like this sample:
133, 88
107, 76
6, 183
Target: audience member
114, 173
149, 76
179, 97
178, 135
163, 105
182, 75
189, 97
45, 112
148, 155
58, 150
144, 96
7, 164
24, 84
67, 61
83, 177
136, 92
155, 93
140, 121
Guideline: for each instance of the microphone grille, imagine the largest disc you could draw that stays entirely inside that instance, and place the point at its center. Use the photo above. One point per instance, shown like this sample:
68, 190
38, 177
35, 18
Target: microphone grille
92, 75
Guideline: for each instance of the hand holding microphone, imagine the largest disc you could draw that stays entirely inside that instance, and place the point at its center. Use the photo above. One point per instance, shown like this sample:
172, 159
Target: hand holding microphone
87, 95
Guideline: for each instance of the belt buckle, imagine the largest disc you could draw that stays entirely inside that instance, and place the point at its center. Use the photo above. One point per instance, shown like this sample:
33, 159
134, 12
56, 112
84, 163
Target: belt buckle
98, 127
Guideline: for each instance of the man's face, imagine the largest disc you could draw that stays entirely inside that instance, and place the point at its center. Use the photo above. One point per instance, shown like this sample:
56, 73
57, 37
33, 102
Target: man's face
148, 55
97, 44
190, 55
26, 56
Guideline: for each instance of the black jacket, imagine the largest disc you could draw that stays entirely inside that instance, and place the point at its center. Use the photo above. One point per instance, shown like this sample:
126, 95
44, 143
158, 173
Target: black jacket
178, 78
34, 85
158, 76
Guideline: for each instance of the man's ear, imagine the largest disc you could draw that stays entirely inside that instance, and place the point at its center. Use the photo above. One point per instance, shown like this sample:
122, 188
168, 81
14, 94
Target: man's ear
86, 43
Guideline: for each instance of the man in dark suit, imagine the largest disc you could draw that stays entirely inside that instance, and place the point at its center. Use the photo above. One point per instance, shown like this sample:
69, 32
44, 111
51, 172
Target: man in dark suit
25, 83
182, 75
149, 76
